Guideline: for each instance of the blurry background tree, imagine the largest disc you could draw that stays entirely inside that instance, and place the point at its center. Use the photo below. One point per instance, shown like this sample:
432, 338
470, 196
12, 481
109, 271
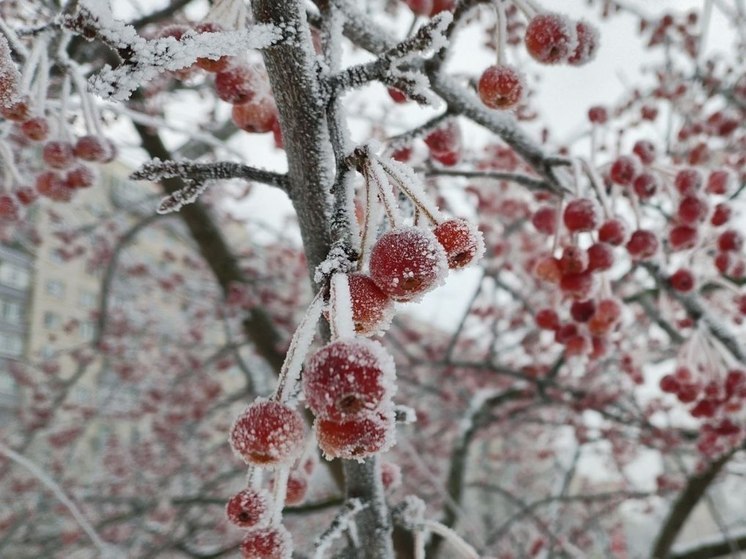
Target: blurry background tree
583, 393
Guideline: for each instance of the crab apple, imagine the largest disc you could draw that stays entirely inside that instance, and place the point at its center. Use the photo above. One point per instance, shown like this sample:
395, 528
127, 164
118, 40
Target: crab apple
682, 280
407, 262
645, 151
444, 140
237, 84
9, 210
390, 475
448, 159
273, 542
574, 260
209, 64
442, 6
258, 115
548, 269
357, 437
500, 87
688, 182
36, 129
52, 185
723, 262
16, 112
718, 182
669, 384
691, 210
720, 215
249, 508
267, 433
606, 317
372, 309
26, 195
550, 38
397, 96
645, 185
547, 319
581, 215
545, 220
582, 311
348, 377
681, 237
587, 44
598, 115
613, 232
58, 155
93, 148
642, 244
624, 170
565, 332
80, 177
600, 257
578, 286
461, 240
420, 7
577, 345
730, 240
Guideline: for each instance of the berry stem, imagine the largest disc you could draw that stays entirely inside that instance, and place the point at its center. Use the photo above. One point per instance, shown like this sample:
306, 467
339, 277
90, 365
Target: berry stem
32, 61
501, 32
373, 171
10, 171
64, 101
598, 185
299, 344
528, 10
13, 39
340, 313
279, 492
419, 544
411, 185
459, 545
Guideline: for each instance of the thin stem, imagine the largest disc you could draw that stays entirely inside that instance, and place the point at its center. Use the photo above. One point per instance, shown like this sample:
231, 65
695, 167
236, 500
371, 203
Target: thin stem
501, 32
464, 549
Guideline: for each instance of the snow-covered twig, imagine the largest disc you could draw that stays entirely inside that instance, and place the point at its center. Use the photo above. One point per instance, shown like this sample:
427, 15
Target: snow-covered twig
340, 523
223, 170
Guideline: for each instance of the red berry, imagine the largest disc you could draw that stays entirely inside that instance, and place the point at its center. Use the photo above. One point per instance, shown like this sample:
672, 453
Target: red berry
682, 237
598, 115
600, 257
407, 262
16, 112
348, 377
449, 158
9, 209
442, 6
390, 475
669, 384
372, 309
209, 64
730, 240
461, 240
682, 280
26, 195
578, 286
547, 319
500, 87
267, 543
237, 84
613, 231
249, 508
574, 260
357, 437
642, 244
268, 433
692, 210
36, 129
80, 177
718, 182
550, 38
645, 151
58, 155
397, 96
581, 215
624, 170
545, 220
645, 185
582, 311
297, 487
721, 215
420, 7
258, 115
548, 269
93, 148
445, 139
606, 317
688, 182
51, 185
587, 44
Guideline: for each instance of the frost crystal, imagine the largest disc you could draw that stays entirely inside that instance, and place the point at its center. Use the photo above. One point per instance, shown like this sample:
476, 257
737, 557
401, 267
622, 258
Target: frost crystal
9, 76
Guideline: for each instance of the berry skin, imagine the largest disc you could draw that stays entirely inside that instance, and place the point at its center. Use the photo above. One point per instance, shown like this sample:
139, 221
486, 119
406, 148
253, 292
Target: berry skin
730, 240
578, 286
669, 384
682, 280
642, 244
548, 269
51, 185
682, 237
500, 87
581, 215
645, 185
613, 231
582, 311
645, 151
357, 437
623, 170
267, 543
547, 319
209, 64
348, 378
598, 115
16, 112
545, 220
372, 309
692, 210
407, 262
267, 433
574, 260
237, 84
93, 148
36, 129
444, 140
606, 317
58, 155
721, 215
461, 240
397, 96
587, 44
688, 182
249, 509
258, 115
80, 177
600, 257
550, 38
718, 182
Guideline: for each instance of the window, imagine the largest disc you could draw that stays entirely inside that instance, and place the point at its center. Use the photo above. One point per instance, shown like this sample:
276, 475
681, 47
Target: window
87, 299
11, 344
10, 312
87, 330
56, 288
13, 275
51, 320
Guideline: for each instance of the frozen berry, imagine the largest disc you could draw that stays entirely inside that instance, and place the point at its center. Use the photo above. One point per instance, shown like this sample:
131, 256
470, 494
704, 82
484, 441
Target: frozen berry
578, 286
397, 96
681, 237
613, 231
545, 220
548, 269
93, 148
80, 177
598, 115
645, 185
682, 280
581, 215
624, 170
267, 543
500, 87
444, 140
582, 311
407, 262
730, 240
607, 316
692, 210
258, 115
645, 151
461, 241
9, 209
642, 244
52, 185
547, 319
249, 508
721, 214
348, 377
297, 487
550, 38
357, 437
688, 182
600, 257
587, 46
16, 112
211, 64
267, 433
573, 260
372, 309
718, 182
58, 155
237, 84
390, 475
36, 129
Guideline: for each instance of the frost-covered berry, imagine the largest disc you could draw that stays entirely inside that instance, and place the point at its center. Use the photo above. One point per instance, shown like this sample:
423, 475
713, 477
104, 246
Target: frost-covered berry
600, 257
581, 215
51, 185
257, 115
578, 286
692, 210
58, 155
606, 317
688, 181
623, 170
721, 214
209, 64
645, 151
613, 231
730, 240
93, 148
390, 475
237, 84
249, 508
642, 244
445, 139
80, 177
420, 7
645, 185
372, 309
500, 87
682, 237
18, 111
348, 377
587, 44
718, 182
582, 311
461, 240
407, 262
267, 543
550, 38
355, 438
297, 487
36, 129
9, 208
545, 220
598, 114
547, 319
682, 280
268, 433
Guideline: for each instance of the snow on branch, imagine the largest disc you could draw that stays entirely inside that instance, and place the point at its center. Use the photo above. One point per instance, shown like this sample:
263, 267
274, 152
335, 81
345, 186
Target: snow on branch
340, 523
142, 59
